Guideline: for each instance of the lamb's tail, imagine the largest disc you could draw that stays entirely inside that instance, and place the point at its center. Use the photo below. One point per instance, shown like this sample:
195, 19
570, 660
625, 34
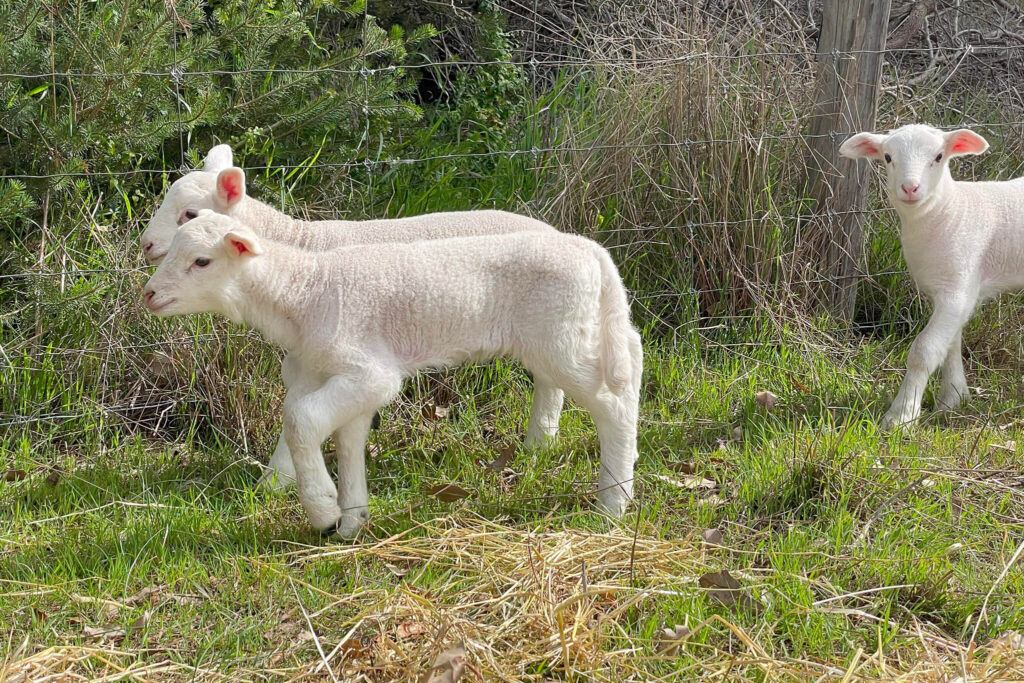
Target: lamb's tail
614, 344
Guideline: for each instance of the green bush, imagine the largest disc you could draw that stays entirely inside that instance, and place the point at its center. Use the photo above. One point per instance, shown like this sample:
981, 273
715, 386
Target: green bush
108, 90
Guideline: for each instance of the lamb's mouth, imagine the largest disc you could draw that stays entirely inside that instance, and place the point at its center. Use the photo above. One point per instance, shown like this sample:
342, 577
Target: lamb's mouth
154, 308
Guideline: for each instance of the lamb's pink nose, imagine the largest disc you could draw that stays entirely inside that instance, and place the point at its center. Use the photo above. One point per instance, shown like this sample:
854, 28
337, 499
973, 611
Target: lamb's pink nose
147, 295
147, 247
909, 190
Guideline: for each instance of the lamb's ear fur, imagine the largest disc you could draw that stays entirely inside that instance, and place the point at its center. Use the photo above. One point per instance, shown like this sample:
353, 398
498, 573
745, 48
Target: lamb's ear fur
863, 146
218, 158
230, 187
242, 243
964, 141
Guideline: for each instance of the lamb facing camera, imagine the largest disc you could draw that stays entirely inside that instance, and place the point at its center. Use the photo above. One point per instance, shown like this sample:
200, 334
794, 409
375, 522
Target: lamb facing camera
358, 320
963, 243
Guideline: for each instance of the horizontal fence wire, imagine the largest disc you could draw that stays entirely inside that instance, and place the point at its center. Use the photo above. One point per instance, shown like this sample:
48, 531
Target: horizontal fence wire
533, 151
532, 63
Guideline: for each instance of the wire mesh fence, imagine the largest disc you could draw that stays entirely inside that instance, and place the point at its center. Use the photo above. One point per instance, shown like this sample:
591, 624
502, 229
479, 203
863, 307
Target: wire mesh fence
688, 164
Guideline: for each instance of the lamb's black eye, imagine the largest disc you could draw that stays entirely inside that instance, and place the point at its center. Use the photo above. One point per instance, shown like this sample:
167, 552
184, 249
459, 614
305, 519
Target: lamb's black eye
191, 213
938, 158
202, 262
888, 159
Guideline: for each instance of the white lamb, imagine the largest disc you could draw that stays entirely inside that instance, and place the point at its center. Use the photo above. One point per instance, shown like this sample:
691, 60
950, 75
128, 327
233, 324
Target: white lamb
360, 319
963, 242
221, 187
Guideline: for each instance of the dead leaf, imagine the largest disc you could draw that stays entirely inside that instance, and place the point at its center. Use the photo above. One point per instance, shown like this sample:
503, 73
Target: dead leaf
683, 467
409, 630
103, 633
725, 589
799, 385
396, 570
449, 666
159, 366
669, 639
150, 594
53, 477
15, 475
504, 458
713, 499
766, 399
1010, 446
713, 536
141, 622
693, 482
448, 493
1009, 640
433, 412
283, 631
353, 648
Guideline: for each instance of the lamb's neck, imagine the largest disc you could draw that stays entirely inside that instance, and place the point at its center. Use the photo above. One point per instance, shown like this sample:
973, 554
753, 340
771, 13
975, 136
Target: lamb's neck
934, 212
275, 292
280, 227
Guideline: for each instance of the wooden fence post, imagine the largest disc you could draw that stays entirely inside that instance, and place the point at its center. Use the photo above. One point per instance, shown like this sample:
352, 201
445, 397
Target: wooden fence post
851, 47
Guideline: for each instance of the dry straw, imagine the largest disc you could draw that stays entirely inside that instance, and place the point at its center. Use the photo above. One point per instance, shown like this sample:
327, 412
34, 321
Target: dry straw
523, 600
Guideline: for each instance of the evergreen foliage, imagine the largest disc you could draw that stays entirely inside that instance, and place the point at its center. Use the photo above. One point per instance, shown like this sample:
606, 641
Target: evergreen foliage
119, 87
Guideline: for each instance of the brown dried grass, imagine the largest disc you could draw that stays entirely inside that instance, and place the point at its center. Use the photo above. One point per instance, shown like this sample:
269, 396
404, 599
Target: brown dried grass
522, 601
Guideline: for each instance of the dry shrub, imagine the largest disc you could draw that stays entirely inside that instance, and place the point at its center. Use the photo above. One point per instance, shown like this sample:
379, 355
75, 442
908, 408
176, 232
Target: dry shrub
690, 161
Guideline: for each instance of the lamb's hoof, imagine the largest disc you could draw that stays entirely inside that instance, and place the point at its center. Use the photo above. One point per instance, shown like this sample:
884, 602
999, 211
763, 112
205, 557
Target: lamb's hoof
543, 440
612, 504
899, 418
951, 400
348, 526
272, 480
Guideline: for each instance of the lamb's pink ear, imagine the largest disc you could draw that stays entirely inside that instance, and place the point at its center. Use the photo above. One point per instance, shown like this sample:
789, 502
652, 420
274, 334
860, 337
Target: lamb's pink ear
964, 141
862, 146
218, 158
230, 187
242, 243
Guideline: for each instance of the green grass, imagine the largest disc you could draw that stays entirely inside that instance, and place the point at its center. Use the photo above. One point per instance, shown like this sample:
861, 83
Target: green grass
814, 502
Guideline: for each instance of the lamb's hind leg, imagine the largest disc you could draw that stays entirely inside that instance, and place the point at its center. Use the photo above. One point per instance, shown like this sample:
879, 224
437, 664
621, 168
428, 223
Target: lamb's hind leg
954, 389
545, 411
615, 417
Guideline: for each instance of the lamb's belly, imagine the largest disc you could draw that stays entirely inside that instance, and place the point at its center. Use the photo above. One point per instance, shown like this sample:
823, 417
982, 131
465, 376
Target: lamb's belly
993, 287
435, 356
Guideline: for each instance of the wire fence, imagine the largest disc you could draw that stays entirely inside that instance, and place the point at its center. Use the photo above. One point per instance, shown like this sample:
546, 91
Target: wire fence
751, 286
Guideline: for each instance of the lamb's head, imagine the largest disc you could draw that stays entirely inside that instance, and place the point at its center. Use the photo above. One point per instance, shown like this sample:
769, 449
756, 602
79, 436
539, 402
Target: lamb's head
218, 186
200, 272
916, 158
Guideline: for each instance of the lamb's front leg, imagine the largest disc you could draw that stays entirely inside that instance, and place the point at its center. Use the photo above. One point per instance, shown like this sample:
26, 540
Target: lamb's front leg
954, 382
926, 353
311, 417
